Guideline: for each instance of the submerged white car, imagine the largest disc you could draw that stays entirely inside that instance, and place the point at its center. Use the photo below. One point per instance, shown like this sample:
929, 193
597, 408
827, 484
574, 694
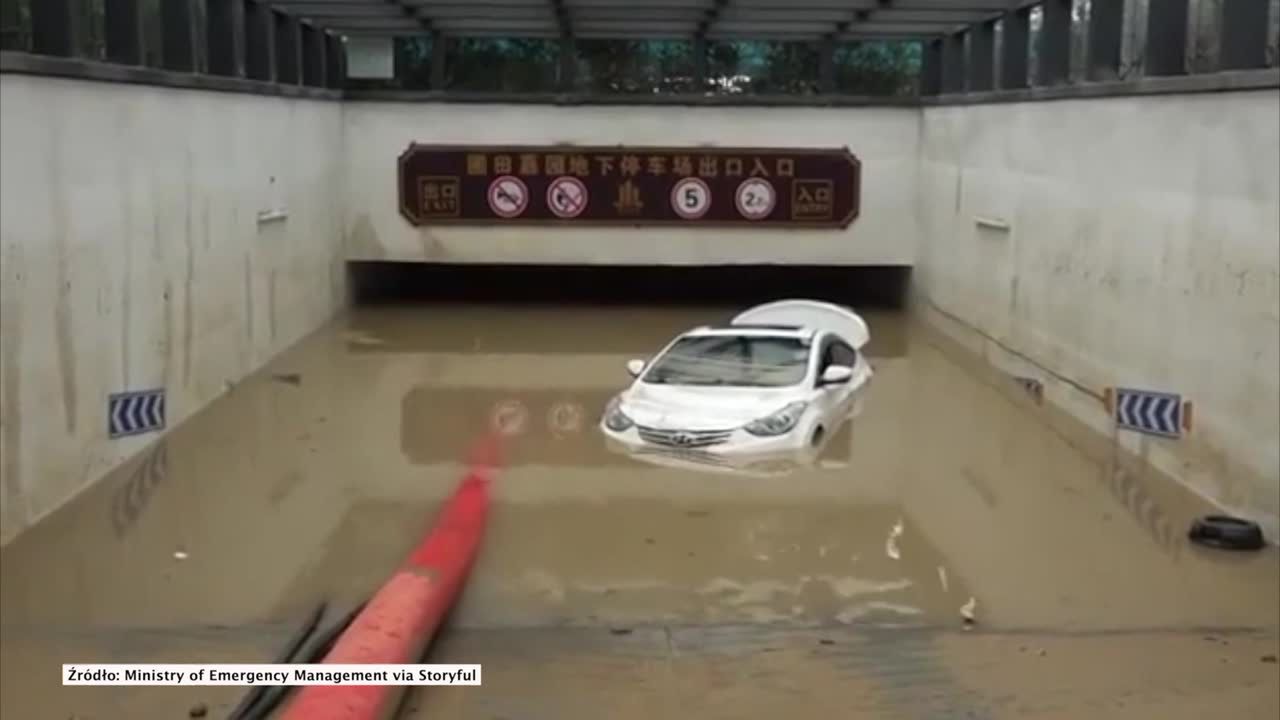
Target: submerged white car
779, 378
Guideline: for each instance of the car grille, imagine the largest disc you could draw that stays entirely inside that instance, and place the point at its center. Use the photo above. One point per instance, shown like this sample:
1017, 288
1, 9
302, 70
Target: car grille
683, 438
697, 456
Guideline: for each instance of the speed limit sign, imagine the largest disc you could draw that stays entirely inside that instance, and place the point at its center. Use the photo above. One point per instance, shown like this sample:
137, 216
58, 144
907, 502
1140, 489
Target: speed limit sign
691, 198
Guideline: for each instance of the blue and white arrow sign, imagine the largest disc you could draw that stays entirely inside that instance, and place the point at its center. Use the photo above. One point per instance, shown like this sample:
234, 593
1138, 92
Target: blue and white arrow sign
1154, 413
133, 413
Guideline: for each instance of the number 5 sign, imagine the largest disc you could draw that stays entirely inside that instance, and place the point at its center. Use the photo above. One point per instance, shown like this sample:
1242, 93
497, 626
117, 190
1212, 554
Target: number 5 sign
691, 198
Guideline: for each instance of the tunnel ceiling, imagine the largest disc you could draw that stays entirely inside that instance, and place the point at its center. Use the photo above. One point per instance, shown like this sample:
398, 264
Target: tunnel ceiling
640, 19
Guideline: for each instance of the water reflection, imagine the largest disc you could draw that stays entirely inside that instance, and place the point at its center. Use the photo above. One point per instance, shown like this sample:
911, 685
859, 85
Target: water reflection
284, 493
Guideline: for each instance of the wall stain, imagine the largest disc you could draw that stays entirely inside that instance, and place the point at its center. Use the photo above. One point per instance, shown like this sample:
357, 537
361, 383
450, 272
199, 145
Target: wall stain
127, 286
167, 340
283, 488
363, 238
204, 221
188, 309
188, 305
980, 486
1127, 489
15, 500
157, 238
248, 299
63, 331
131, 498
271, 306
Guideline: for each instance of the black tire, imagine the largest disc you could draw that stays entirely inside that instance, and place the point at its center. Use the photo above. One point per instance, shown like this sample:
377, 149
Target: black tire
817, 436
1226, 533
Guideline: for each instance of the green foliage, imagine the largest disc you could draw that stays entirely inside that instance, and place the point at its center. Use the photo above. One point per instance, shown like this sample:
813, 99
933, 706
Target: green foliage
877, 68
15, 25
413, 62
775, 68
635, 66
648, 67
501, 65
524, 65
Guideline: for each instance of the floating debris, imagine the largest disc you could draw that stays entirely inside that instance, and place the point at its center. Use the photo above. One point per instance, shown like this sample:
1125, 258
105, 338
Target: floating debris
967, 612
891, 545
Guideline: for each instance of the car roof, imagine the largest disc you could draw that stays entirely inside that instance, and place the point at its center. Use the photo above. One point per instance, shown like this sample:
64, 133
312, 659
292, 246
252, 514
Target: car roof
789, 331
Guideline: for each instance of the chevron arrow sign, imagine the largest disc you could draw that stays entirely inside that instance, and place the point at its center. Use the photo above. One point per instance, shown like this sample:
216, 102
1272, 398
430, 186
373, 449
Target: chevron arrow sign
1153, 413
134, 413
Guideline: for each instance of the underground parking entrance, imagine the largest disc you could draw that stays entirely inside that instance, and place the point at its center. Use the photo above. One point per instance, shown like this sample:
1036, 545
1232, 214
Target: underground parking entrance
316, 235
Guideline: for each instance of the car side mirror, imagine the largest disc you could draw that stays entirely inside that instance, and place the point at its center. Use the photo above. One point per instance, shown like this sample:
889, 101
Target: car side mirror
837, 375
635, 367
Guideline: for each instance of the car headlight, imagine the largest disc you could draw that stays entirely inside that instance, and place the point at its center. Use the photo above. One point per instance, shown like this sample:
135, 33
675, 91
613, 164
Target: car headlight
779, 423
614, 418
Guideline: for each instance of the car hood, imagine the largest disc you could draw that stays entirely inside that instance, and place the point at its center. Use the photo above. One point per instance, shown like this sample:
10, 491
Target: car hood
684, 407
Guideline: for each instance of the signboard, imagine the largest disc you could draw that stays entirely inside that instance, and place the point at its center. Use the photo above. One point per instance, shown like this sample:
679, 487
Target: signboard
134, 413
1153, 413
693, 187
370, 58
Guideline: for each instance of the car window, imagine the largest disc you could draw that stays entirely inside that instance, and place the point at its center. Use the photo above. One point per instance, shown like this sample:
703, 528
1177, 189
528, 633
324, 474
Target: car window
835, 352
842, 354
736, 360
828, 356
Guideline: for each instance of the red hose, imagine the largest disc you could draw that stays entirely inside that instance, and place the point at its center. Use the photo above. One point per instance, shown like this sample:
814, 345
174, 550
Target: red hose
400, 619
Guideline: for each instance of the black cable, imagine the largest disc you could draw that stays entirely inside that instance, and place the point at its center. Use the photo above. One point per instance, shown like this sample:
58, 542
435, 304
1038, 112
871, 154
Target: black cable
305, 631
319, 645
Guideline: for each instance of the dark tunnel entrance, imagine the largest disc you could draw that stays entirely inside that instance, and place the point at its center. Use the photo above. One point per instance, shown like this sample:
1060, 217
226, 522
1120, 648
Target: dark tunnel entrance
862, 286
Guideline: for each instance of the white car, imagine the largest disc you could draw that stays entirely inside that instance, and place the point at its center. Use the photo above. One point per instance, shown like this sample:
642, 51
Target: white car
778, 379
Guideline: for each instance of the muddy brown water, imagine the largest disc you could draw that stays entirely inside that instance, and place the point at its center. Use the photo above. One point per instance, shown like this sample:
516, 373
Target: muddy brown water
311, 479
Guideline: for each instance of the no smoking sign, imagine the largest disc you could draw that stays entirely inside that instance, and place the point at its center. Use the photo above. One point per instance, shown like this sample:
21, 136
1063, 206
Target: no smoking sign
566, 197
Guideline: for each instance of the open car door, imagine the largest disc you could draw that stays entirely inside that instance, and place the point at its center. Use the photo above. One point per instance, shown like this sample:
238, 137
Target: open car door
811, 314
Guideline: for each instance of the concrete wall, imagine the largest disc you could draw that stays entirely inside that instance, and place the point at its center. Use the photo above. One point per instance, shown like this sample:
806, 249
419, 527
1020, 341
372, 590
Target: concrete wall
132, 258
885, 139
1141, 251
1141, 247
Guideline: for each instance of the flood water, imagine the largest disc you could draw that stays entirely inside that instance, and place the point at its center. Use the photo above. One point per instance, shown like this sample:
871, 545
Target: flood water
312, 479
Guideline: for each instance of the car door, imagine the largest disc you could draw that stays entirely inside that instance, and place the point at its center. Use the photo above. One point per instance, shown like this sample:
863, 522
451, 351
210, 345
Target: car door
840, 397
828, 398
843, 354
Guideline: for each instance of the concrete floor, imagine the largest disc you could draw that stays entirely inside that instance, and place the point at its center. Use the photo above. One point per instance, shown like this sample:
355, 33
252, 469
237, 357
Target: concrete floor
612, 588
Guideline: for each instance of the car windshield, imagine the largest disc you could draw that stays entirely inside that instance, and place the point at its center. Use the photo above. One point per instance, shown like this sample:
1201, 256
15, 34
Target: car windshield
735, 360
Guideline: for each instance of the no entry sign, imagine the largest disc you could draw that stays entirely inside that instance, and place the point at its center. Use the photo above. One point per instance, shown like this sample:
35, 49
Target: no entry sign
693, 186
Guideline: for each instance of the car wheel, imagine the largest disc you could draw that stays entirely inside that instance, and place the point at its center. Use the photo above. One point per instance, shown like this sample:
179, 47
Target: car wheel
1228, 533
817, 436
